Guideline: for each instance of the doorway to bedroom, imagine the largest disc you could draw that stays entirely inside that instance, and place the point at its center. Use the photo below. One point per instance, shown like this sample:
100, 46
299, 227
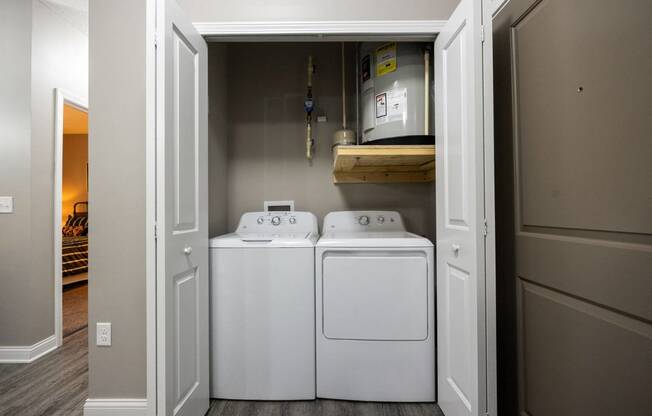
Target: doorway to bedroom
72, 287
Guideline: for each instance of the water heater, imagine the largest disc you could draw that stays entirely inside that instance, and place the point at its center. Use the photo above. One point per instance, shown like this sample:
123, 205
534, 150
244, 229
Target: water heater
394, 93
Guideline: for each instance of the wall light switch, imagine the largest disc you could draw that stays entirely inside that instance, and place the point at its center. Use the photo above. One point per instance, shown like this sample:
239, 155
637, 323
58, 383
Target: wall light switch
103, 336
6, 204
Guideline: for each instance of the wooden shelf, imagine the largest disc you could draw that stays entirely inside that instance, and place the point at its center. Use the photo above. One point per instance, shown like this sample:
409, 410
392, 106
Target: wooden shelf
384, 164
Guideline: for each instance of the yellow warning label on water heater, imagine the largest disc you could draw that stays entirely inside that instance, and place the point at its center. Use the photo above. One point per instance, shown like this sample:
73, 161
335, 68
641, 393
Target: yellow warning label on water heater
386, 59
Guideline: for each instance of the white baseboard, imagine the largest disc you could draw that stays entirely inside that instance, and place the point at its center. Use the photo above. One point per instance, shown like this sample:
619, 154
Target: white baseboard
28, 353
115, 407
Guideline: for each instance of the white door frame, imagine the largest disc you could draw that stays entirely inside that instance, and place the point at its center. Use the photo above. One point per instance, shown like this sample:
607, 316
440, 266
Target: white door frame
288, 31
61, 98
150, 207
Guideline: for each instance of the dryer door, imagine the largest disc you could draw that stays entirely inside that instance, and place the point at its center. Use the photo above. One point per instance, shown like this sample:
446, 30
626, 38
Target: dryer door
379, 295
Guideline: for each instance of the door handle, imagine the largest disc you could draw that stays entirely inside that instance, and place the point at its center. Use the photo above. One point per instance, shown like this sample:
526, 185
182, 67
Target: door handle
456, 249
187, 250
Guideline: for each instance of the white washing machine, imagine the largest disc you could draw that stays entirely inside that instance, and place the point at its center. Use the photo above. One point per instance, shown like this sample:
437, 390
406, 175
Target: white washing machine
263, 308
375, 316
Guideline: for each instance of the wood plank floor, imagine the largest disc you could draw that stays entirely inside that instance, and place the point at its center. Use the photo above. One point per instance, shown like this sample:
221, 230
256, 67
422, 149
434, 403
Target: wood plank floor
53, 385
57, 385
321, 408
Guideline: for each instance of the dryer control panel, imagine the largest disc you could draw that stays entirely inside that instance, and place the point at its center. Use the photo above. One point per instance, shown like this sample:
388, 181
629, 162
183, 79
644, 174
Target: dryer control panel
278, 222
363, 221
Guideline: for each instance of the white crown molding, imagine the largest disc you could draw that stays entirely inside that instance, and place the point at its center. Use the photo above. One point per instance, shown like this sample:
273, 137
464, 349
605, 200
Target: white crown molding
28, 353
344, 27
115, 407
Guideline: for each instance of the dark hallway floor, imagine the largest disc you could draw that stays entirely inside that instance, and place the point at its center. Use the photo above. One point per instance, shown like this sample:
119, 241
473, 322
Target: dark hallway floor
57, 384
53, 385
321, 407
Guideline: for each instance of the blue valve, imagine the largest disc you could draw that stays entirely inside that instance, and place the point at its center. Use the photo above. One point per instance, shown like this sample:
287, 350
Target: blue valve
309, 105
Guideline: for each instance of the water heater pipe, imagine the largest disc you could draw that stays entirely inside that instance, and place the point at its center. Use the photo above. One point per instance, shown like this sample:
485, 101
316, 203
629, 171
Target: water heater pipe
426, 93
344, 136
309, 105
343, 91
357, 93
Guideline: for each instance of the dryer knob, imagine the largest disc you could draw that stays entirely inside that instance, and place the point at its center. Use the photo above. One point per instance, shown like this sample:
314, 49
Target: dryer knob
276, 220
380, 219
260, 220
293, 220
363, 220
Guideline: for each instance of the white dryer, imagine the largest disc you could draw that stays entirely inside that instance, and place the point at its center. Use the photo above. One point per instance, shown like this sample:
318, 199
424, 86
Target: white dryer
263, 308
375, 316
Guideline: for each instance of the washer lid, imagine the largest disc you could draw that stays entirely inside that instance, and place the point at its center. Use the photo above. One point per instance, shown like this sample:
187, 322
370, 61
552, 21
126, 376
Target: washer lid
264, 240
390, 239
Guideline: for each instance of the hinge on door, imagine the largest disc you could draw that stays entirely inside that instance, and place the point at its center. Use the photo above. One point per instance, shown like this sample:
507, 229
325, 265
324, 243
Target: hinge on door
485, 229
482, 33
156, 39
155, 231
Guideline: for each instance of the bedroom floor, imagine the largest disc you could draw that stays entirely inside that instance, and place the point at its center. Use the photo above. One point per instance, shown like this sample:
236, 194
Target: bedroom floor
75, 307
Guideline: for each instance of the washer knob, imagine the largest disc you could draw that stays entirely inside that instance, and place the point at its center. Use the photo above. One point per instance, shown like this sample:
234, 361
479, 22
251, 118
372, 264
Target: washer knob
380, 219
276, 220
260, 220
363, 220
293, 220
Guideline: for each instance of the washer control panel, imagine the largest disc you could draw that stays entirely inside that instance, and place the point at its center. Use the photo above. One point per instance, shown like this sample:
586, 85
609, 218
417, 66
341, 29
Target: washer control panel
277, 222
356, 221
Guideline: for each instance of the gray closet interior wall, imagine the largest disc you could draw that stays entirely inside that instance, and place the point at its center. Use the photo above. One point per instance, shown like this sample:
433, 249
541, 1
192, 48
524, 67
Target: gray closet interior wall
217, 145
265, 129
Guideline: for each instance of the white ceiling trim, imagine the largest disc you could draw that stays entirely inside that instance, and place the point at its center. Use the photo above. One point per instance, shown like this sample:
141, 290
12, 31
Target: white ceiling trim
426, 28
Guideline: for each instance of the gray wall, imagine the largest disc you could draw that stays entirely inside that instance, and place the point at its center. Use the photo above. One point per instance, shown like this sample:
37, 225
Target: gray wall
15, 278
266, 138
217, 144
117, 197
58, 59
301, 10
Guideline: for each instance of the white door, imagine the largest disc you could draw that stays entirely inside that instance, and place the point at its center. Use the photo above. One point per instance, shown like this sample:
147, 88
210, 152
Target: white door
182, 215
461, 278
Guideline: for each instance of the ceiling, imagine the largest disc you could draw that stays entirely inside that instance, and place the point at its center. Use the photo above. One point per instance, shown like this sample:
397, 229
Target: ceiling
75, 121
74, 12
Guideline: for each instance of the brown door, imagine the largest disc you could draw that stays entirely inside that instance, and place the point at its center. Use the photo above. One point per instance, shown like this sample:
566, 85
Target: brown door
573, 116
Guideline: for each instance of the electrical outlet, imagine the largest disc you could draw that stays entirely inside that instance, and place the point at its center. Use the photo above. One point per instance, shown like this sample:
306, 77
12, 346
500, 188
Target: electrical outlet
6, 204
103, 336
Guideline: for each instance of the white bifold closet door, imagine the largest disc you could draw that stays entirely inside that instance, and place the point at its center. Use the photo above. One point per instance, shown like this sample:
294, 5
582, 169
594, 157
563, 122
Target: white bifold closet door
182, 214
461, 315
